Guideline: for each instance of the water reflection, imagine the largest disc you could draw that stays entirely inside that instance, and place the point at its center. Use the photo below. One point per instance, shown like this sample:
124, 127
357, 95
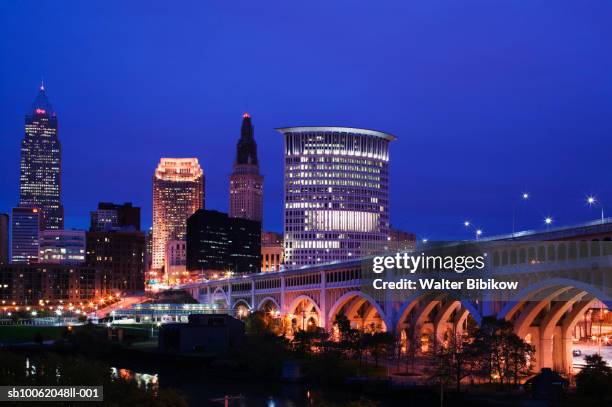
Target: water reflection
190, 384
144, 381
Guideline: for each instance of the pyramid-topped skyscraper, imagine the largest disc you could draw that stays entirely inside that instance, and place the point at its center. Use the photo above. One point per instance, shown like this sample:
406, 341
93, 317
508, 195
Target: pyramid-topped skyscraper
41, 163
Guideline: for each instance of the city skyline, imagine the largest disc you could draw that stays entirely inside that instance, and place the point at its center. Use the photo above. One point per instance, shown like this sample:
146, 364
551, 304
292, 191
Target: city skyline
543, 131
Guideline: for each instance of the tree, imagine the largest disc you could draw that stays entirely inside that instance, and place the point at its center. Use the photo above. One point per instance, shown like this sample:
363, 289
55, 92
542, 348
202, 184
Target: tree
520, 358
376, 344
344, 326
258, 323
303, 341
500, 353
453, 362
595, 378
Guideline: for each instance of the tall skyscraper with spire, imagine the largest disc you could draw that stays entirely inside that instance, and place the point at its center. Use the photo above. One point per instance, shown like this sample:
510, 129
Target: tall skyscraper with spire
41, 164
246, 184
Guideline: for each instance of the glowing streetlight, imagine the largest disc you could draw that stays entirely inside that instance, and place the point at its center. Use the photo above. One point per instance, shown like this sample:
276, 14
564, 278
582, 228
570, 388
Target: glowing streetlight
548, 221
524, 197
591, 200
477, 231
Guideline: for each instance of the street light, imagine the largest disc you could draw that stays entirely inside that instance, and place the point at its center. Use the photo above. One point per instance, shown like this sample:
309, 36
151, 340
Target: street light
477, 231
591, 200
524, 197
548, 221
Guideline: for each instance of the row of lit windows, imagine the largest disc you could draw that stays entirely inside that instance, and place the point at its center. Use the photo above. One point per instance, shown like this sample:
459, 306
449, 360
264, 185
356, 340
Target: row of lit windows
335, 168
335, 160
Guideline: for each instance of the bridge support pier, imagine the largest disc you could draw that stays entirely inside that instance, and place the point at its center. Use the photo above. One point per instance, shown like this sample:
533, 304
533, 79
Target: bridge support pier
546, 353
567, 355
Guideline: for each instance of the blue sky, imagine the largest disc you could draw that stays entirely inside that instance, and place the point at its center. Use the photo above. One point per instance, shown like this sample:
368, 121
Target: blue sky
487, 98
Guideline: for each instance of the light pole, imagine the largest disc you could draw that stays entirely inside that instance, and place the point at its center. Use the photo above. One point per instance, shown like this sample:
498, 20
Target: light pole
524, 197
477, 231
548, 221
591, 200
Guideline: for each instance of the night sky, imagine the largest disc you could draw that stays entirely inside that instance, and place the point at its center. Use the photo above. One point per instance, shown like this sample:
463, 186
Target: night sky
487, 98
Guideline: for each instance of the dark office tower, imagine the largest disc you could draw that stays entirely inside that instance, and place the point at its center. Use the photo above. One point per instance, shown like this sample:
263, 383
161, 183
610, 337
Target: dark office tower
111, 216
149, 249
246, 185
4, 238
119, 256
216, 242
41, 164
25, 235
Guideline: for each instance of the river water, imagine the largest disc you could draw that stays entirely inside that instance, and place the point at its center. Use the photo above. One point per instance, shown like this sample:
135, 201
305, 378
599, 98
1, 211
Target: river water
204, 390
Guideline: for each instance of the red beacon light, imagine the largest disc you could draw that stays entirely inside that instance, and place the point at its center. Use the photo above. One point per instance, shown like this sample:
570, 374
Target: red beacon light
40, 111
246, 115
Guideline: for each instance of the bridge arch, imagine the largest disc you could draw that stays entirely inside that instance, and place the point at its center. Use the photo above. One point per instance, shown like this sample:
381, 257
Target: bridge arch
366, 300
304, 312
268, 302
219, 297
241, 308
244, 302
429, 319
533, 289
545, 314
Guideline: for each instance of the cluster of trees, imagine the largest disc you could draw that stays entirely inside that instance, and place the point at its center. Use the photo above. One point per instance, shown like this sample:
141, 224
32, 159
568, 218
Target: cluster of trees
595, 379
493, 353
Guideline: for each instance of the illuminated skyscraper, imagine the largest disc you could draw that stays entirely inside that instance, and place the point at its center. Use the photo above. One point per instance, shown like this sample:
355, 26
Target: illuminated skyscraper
246, 184
336, 193
25, 234
41, 164
178, 191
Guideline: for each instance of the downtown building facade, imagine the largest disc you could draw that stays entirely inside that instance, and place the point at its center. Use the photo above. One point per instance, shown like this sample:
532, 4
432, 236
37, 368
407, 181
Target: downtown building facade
4, 238
246, 183
401, 241
219, 243
29, 284
116, 248
272, 252
41, 164
175, 262
25, 235
62, 247
336, 194
110, 216
178, 192
118, 257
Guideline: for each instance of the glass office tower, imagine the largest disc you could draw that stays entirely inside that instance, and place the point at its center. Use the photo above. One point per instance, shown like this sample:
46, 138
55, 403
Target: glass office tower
336, 193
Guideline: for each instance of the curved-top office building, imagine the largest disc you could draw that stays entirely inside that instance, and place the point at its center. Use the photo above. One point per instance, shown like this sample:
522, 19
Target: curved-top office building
336, 193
